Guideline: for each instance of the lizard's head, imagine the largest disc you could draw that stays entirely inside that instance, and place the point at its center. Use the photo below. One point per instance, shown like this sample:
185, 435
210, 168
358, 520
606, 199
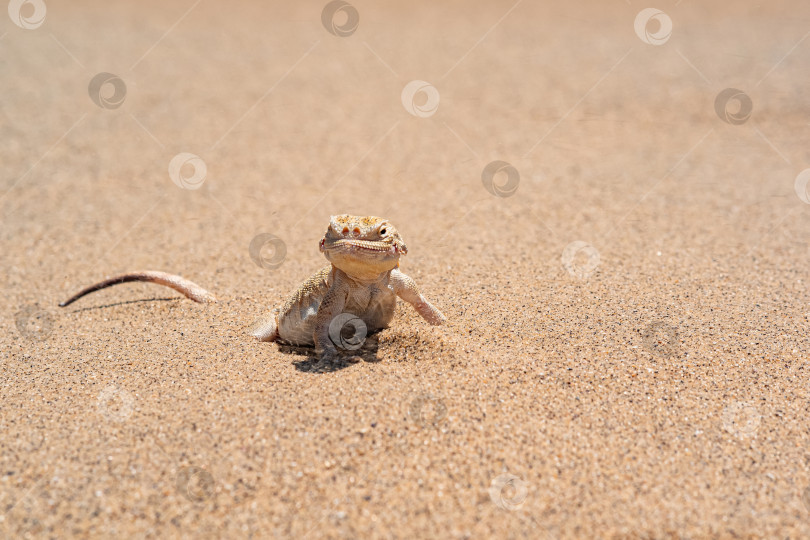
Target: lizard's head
362, 246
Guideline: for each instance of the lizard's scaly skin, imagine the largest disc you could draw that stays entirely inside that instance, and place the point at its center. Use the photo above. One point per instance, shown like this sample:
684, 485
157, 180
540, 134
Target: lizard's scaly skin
363, 280
296, 312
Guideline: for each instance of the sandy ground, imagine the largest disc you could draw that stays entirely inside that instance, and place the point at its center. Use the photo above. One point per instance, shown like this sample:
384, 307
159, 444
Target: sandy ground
627, 347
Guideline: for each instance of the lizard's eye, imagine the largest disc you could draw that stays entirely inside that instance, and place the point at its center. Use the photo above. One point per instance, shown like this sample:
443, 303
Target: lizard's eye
382, 231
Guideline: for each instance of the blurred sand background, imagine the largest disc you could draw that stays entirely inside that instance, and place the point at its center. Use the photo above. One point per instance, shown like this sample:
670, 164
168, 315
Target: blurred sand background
658, 389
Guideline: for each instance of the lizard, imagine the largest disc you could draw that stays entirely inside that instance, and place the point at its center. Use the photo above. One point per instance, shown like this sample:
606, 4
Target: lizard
362, 281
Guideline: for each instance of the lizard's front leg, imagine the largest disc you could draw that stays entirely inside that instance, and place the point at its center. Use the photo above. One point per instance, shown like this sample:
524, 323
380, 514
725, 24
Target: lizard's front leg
331, 306
406, 288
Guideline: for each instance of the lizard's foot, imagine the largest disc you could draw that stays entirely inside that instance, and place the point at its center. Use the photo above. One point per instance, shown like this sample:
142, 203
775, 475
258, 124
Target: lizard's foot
430, 313
265, 328
328, 357
325, 362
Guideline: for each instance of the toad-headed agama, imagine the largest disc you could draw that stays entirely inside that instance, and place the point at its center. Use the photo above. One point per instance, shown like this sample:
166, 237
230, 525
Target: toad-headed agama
363, 280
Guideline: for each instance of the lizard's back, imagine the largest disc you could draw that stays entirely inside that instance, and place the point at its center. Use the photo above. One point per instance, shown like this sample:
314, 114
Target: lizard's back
296, 318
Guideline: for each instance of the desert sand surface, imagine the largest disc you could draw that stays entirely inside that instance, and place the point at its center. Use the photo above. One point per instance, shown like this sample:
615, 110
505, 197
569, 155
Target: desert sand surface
626, 352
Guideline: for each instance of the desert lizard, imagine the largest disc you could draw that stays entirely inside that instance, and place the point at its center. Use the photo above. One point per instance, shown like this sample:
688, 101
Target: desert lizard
363, 280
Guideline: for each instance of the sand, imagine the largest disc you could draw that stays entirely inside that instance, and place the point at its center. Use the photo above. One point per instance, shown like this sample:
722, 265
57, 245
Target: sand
626, 347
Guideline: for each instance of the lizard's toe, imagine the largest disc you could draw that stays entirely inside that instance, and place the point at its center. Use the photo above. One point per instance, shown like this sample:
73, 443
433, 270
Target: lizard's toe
328, 357
434, 316
439, 320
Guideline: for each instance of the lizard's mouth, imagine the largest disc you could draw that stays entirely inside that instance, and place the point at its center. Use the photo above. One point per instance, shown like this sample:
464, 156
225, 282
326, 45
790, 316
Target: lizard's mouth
350, 245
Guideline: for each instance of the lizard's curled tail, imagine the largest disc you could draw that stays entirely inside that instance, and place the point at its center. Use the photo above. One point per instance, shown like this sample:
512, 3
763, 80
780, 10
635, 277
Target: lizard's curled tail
189, 289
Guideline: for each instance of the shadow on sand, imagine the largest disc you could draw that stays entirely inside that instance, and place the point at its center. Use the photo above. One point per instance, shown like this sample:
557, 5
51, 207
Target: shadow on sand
311, 364
90, 308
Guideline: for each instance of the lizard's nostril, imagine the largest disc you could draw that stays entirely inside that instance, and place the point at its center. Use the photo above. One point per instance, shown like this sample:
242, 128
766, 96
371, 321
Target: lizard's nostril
356, 230
345, 230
